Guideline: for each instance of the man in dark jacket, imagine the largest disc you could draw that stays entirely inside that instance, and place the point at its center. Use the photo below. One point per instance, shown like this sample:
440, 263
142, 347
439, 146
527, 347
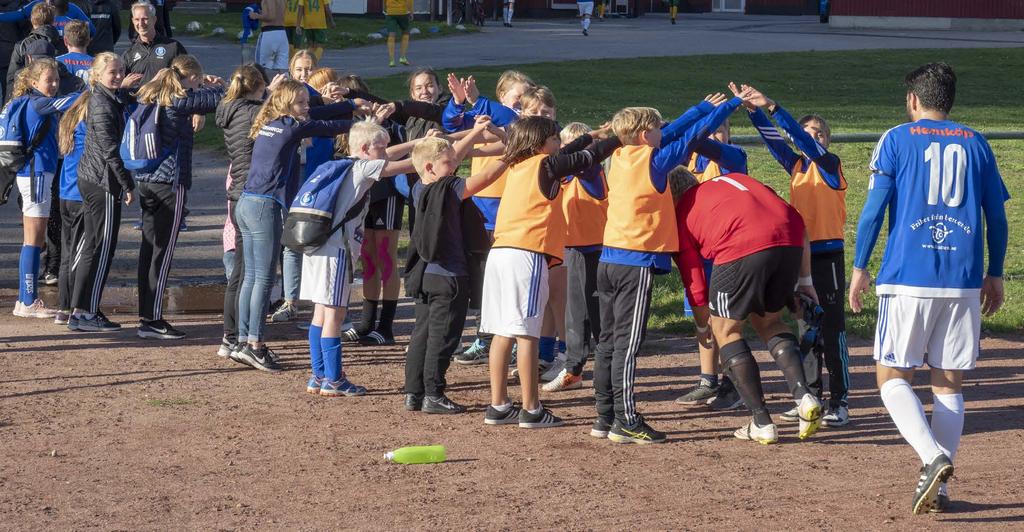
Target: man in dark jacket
105, 16
35, 47
42, 30
150, 52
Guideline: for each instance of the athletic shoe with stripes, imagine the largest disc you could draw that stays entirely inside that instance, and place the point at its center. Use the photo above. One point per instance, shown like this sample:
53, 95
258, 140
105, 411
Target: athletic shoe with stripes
564, 381
97, 323
37, 309
62, 317
539, 420
72, 323
376, 338
810, 416
932, 477
497, 417
159, 329
752, 432
350, 335
600, 428
314, 385
286, 312
341, 387
476, 353
641, 433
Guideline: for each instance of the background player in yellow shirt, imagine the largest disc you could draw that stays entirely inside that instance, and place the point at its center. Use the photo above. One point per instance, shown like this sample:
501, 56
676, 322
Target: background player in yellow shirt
293, 14
398, 17
316, 16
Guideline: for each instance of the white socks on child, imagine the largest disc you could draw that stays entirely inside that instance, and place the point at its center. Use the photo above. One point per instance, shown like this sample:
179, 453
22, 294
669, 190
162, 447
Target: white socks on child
586, 23
906, 411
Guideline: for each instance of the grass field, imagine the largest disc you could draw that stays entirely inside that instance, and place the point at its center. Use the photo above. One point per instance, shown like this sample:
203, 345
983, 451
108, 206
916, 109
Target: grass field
856, 91
347, 33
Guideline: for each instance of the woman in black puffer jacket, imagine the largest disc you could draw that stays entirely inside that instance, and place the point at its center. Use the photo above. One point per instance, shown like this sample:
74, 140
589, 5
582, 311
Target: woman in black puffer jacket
103, 183
235, 113
176, 90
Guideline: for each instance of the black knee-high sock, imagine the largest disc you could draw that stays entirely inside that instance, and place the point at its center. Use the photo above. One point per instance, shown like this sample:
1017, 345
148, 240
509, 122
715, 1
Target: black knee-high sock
786, 353
369, 317
739, 364
387, 317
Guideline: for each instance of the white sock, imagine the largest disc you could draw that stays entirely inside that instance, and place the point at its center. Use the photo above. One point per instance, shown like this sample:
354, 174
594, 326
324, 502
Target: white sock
586, 23
906, 411
504, 14
511, 9
502, 408
948, 422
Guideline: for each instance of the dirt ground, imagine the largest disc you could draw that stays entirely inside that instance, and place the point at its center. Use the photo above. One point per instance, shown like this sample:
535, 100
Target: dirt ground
113, 432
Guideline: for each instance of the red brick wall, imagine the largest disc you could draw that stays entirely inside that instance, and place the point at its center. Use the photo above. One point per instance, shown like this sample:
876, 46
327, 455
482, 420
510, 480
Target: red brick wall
930, 8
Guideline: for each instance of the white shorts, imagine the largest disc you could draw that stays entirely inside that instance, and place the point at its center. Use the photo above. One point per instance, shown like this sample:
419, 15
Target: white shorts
272, 50
325, 277
515, 293
943, 331
586, 8
29, 207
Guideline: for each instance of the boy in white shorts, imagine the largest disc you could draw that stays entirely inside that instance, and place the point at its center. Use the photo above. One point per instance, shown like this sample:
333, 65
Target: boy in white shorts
941, 185
272, 44
586, 9
327, 271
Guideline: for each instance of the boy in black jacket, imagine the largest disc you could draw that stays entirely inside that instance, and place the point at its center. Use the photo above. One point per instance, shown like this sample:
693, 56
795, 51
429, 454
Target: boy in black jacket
440, 239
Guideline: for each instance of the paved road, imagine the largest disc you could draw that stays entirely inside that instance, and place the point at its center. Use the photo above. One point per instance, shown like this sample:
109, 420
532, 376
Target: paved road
561, 40
199, 252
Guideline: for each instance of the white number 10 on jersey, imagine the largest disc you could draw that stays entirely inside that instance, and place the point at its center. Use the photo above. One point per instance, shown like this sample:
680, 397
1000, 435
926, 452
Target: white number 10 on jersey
947, 169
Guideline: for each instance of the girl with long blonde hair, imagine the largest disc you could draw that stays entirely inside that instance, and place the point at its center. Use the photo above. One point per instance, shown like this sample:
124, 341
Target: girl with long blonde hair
36, 89
102, 182
278, 129
180, 92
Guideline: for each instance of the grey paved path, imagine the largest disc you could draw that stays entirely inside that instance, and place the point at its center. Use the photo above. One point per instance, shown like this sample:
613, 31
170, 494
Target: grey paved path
198, 256
560, 40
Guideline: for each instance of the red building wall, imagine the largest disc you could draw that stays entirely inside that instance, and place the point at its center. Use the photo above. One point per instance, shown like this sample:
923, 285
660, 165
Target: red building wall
929, 8
782, 7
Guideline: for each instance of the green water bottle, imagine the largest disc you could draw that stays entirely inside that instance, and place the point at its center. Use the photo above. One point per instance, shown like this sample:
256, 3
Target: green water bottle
423, 454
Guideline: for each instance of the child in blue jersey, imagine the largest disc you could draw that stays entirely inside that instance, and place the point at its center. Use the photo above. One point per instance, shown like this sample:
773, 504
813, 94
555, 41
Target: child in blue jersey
278, 129
65, 13
37, 84
940, 184
818, 192
76, 38
509, 90
71, 142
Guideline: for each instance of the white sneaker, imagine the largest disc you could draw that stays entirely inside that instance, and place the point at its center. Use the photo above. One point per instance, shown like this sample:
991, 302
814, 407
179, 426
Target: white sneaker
564, 381
36, 310
793, 414
836, 418
752, 432
552, 372
810, 416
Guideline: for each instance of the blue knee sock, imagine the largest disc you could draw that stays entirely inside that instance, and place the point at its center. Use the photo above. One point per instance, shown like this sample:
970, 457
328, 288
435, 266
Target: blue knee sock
547, 348
316, 356
561, 347
28, 272
331, 349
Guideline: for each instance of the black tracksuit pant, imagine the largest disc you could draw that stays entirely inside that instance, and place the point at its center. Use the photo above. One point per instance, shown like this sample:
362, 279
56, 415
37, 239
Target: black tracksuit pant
582, 311
54, 226
625, 295
71, 247
440, 316
163, 206
829, 276
234, 282
101, 214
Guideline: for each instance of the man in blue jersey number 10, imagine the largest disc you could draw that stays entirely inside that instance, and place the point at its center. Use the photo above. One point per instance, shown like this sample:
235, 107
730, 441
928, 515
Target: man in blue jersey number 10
941, 186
